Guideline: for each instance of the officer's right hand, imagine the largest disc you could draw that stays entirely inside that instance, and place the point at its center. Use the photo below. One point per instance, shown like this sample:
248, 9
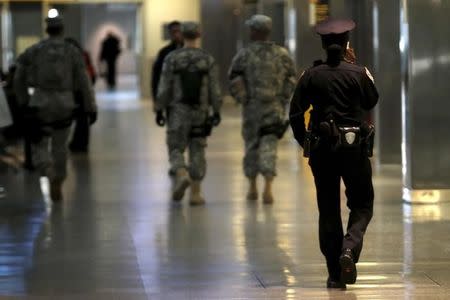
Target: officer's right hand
160, 119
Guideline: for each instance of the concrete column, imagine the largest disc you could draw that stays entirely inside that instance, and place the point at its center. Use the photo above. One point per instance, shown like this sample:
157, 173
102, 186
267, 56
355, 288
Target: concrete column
156, 13
425, 53
386, 36
6, 29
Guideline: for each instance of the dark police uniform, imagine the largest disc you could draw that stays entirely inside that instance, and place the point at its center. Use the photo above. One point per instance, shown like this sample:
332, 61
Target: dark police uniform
343, 93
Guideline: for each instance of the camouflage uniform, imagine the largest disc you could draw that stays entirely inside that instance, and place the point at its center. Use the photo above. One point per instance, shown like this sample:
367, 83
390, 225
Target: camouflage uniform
267, 79
55, 70
184, 117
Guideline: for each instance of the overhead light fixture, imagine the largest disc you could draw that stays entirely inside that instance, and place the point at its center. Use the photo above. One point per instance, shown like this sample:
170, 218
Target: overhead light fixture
53, 13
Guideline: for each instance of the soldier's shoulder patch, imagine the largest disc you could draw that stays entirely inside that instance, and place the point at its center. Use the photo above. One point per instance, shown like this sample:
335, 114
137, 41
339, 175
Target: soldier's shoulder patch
369, 75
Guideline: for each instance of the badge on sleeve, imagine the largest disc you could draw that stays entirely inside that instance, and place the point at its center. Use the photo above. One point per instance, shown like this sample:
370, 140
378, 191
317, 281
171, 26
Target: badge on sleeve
369, 75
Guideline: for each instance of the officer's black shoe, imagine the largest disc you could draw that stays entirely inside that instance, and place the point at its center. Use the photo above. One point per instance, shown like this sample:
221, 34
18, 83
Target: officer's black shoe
348, 267
335, 284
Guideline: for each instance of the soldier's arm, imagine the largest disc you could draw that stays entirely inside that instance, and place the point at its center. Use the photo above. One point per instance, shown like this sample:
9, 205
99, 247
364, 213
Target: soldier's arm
290, 80
214, 88
370, 93
236, 77
82, 83
20, 83
165, 86
299, 105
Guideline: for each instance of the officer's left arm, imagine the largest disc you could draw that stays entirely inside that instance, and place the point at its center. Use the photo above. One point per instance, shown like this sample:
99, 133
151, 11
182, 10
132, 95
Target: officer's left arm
299, 105
215, 95
165, 86
370, 93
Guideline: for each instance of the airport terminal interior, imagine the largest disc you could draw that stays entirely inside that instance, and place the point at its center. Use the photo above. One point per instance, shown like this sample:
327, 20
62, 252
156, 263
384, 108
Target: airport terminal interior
118, 235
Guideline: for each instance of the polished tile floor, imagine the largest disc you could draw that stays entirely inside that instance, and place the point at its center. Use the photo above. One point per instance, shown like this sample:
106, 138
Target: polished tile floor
117, 236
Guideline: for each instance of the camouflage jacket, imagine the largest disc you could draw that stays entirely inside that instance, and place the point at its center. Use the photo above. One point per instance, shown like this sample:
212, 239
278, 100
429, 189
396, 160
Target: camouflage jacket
263, 73
170, 89
47, 77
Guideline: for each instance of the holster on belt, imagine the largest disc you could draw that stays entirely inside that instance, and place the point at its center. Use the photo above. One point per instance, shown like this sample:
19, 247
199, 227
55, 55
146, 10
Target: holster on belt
339, 137
348, 138
313, 137
368, 132
311, 142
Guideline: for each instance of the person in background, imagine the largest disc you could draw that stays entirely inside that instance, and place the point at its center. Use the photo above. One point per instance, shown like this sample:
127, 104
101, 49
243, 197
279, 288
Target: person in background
80, 138
190, 88
109, 53
262, 78
48, 75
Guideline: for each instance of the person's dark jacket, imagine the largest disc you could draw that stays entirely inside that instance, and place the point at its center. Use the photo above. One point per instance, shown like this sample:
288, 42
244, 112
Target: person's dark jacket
110, 49
158, 65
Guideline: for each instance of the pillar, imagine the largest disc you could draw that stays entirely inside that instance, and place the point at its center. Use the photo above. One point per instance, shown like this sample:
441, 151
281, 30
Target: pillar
425, 48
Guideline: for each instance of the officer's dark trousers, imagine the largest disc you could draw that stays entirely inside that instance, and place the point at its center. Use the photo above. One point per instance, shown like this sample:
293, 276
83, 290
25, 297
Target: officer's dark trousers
355, 170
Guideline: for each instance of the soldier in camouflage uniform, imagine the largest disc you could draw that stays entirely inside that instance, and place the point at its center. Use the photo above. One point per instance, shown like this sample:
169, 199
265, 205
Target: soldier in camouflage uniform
262, 78
189, 90
47, 77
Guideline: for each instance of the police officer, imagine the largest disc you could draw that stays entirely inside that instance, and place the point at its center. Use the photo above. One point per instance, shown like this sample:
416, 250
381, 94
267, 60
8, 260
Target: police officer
189, 87
47, 77
262, 78
340, 94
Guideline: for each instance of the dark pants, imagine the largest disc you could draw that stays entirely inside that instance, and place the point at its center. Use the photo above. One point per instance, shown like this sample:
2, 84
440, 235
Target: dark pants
355, 170
111, 73
80, 139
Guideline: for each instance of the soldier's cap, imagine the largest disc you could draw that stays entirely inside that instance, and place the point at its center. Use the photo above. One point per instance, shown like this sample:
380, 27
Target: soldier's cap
260, 23
334, 26
190, 29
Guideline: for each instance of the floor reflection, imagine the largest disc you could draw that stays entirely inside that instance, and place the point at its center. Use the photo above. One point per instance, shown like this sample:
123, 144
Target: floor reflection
118, 236
18, 237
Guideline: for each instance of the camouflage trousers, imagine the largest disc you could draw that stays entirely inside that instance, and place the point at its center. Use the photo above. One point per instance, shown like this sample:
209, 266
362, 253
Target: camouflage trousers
180, 124
50, 155
260, 151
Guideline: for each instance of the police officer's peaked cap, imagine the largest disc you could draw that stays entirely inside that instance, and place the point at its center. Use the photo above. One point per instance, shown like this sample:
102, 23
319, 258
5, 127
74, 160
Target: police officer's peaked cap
334, 26
190, 28
55, 22
260, 23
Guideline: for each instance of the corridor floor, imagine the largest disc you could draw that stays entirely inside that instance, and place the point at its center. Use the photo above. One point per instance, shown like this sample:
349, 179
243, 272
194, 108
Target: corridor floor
118, 236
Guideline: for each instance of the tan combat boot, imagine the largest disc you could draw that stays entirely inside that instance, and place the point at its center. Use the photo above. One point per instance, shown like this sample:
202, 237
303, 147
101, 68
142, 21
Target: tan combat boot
196, 194
267, 196
252, 194
56, 191
182, 182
